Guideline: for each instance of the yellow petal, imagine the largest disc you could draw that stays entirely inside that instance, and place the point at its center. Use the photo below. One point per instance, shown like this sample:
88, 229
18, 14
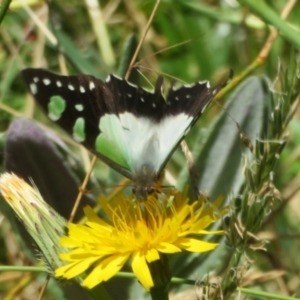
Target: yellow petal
202, 223
59, 272
105, 207
193, 245
167, 248
105, 269
90, 214
75, 269
75, 254
93, 218
141, 270
152, 255
69, 242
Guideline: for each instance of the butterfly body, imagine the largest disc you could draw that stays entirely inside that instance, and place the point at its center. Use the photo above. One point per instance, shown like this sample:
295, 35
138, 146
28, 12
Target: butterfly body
131, 129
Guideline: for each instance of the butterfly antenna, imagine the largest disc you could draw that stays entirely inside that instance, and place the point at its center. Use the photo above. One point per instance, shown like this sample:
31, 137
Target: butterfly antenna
159, 73
90, 191
244, 138
161, 51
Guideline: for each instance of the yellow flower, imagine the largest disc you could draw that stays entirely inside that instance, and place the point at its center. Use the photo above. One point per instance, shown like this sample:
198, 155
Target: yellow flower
140, 231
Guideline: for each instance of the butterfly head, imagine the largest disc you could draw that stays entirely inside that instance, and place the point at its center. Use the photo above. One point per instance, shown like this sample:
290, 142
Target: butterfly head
144, 182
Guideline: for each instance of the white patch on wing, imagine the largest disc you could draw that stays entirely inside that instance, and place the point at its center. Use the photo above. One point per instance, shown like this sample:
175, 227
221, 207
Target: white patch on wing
33, 88
79, 107
142, 141
91, 85
71, 87
46, 81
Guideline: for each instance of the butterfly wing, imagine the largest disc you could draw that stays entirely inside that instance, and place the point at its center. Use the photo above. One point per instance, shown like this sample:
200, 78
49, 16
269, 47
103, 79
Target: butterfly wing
84, 100
184, 107
150, 127
131, 129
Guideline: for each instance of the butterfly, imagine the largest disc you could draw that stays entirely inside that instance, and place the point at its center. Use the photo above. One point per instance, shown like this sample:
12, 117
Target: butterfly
131, 129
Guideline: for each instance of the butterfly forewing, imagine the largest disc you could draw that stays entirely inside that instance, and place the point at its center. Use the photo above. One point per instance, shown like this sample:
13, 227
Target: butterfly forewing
85, 99
190, 99
136, 100
184, 107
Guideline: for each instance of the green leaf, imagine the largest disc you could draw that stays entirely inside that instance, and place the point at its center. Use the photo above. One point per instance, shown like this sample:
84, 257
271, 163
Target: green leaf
218, 152
218, 157
76, 58
127, 53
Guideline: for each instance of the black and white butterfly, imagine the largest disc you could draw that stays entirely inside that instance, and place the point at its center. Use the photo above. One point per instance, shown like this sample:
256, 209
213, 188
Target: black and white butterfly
131, 129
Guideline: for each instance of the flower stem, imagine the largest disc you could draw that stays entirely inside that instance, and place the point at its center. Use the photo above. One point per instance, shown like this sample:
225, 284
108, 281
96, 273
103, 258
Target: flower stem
159, 293
161, 275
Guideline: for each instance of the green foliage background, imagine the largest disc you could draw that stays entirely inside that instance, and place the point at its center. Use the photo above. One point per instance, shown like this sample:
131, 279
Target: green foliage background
189, 41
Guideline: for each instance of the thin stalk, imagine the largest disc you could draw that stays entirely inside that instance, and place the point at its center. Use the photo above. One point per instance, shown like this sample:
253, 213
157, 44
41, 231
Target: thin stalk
265, 295
263, 54
82, 188
99, 28
222, 15
142, 39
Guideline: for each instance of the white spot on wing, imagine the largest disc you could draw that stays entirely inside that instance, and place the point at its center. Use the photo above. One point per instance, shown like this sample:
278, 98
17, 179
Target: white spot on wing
142, 99
129, 95
91, 85
187, 96
204, 82
176, 98
58, 83
46, 81
71, 87
82, 89
79, 107
33, 88
35, 79
188, 86
153, 105
78, 130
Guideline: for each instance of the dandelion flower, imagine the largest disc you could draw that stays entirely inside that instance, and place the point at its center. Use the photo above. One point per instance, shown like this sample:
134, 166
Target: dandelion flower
142, 232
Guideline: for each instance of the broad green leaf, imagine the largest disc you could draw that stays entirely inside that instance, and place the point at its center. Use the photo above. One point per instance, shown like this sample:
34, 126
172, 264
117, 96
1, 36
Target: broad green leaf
218, 152
218, 157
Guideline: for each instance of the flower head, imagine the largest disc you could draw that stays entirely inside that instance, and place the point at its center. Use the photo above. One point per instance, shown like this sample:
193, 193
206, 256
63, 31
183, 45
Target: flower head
43, 223
137, 231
